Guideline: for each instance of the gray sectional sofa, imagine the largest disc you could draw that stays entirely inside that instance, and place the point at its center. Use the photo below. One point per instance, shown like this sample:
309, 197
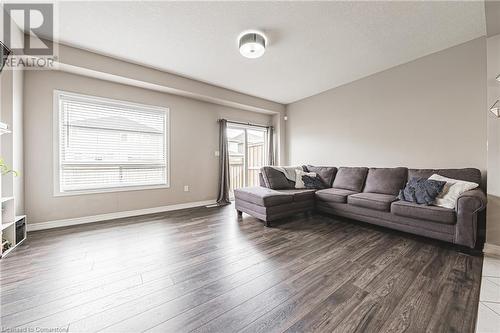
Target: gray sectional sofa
369, 195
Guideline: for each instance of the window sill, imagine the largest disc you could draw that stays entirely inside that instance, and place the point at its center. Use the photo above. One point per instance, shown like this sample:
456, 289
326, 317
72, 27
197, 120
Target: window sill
111, 190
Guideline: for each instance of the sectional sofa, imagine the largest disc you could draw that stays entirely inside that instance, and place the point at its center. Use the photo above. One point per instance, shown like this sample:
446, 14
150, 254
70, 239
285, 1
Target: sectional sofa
369, 195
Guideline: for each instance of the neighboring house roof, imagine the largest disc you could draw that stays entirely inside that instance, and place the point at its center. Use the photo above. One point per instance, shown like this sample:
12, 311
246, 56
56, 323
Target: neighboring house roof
241, 138
116, 123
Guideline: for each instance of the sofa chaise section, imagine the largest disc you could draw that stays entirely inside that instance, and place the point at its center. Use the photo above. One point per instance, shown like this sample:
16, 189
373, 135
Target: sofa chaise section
269, 205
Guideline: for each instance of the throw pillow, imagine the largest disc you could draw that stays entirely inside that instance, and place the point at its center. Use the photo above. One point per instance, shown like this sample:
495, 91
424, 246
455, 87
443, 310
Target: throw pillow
314, 182
451, 191
299, 183
421, 191
327, 174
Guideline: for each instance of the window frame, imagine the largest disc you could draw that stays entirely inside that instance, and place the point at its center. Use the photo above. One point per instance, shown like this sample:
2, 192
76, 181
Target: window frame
57, 192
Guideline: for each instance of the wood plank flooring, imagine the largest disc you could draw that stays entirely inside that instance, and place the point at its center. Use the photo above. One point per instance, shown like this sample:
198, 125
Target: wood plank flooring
205, 270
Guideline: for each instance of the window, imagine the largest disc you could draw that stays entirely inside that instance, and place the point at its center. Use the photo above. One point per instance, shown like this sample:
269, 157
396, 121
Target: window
108, 145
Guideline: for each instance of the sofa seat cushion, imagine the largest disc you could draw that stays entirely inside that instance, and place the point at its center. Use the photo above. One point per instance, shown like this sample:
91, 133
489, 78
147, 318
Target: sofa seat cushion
423, 212
375, 201
263, 196
300, 194
334, 195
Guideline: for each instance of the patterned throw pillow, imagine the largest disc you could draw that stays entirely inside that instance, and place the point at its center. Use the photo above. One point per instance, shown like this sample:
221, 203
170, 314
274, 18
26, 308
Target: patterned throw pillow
315, 182
327, 174
421, 190
299, 183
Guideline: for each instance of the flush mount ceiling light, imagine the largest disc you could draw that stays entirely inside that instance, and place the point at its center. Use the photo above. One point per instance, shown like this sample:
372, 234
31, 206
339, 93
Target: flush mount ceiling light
252, 44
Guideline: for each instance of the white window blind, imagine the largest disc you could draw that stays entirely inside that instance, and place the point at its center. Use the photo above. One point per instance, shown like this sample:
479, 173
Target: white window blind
109, 144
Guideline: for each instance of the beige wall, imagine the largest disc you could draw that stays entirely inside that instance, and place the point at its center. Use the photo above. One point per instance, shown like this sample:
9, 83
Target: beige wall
492, 11
194, 140
279, 138
493, 213
429, 113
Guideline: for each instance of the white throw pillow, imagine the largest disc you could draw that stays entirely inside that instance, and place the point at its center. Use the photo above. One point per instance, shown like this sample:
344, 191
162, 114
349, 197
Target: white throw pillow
299, 183
451, 191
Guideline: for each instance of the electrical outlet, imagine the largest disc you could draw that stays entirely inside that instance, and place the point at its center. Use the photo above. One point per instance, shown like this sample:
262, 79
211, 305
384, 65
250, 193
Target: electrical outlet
217, 153
186, 188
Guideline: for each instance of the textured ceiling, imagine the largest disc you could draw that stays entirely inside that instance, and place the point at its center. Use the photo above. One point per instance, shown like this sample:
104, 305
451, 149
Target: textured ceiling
314, 46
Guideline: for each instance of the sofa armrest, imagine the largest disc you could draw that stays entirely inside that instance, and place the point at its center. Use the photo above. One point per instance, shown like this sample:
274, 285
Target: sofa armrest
473, 200
469, 204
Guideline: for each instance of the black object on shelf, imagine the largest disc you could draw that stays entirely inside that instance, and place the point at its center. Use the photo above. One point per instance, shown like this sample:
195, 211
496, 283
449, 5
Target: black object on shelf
4, 54
20, 230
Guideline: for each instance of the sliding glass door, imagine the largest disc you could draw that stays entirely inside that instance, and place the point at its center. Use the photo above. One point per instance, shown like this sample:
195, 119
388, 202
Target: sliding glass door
236, 147
247, 154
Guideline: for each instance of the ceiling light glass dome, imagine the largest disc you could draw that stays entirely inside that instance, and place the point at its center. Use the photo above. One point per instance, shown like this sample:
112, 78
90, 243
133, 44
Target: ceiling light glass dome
252, 44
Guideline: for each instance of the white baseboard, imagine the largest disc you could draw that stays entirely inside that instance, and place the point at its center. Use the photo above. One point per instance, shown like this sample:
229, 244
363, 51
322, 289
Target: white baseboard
491, 249
112, 216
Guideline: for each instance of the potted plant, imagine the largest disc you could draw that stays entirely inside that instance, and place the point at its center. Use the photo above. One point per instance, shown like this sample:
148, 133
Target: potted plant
5, 169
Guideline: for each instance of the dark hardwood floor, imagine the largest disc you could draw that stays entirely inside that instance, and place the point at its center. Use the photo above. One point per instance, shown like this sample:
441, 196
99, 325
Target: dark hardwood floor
205, 270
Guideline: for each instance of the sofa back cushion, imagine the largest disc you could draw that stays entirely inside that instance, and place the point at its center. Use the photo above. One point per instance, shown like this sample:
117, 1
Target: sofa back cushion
350, 178
326, 174
275, 179
466, 174
386, 180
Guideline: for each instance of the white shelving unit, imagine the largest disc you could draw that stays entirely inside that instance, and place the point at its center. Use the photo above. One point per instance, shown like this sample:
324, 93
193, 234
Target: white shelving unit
13, 227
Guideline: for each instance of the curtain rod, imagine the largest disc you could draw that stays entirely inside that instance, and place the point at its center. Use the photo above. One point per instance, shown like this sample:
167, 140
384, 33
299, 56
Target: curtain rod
243, 123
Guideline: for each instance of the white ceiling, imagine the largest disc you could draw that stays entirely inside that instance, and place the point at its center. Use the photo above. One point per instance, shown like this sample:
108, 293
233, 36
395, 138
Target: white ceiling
314, 46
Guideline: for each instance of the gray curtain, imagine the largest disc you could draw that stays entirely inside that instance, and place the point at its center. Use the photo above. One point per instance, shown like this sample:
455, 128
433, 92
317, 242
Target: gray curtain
223, 196
270, 143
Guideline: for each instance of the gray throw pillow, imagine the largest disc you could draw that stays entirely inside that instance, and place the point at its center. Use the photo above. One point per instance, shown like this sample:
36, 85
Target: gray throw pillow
421, 190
